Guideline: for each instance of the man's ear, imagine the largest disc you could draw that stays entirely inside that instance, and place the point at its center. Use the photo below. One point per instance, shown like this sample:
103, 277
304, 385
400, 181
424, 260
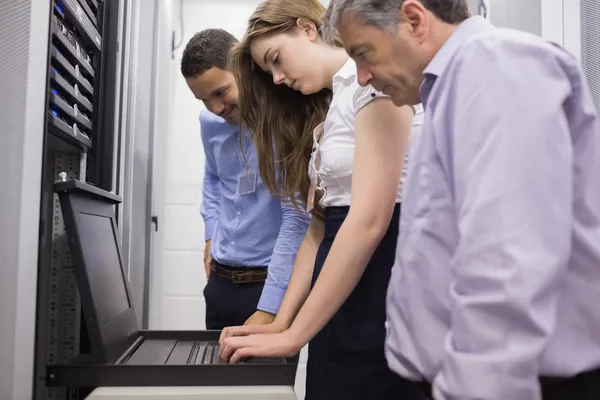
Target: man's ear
414, 13
308, 28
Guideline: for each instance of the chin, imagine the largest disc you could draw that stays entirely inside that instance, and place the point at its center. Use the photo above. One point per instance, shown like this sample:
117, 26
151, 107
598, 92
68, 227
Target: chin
308, 91
399, 100
234, 118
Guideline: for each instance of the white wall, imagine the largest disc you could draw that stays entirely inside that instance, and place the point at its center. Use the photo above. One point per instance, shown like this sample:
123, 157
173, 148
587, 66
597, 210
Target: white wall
517, 14
184, 278
561, 23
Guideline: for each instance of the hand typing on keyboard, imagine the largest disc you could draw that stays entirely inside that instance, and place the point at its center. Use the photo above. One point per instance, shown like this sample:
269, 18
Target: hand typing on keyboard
276, 345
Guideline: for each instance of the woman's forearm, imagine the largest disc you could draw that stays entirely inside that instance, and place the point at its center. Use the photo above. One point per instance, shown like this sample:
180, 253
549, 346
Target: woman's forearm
342, 270
300, 281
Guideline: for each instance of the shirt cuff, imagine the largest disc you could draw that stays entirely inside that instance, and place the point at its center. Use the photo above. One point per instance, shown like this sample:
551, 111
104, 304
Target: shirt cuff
209, 229
271, 299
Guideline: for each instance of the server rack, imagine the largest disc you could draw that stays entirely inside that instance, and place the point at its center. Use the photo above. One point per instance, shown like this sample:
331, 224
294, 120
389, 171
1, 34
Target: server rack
80, 140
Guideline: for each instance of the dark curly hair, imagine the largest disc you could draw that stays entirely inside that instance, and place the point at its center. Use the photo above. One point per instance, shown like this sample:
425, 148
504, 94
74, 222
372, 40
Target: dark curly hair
207, 49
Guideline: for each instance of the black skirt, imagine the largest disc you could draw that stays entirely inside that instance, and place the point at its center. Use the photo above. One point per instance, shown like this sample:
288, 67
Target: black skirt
346, 358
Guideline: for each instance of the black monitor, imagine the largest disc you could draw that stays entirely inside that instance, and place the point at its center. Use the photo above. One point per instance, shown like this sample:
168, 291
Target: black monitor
92, 232
124, 355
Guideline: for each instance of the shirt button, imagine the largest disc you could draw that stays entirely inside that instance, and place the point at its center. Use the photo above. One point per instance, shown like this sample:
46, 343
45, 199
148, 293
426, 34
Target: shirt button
233, 243
239, 213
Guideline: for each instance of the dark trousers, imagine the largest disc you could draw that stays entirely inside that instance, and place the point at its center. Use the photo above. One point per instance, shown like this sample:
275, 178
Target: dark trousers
585, 386
346, 358
591, 393
228, 303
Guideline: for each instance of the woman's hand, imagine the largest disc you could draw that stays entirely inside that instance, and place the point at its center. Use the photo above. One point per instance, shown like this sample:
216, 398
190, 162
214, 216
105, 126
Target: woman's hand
232, 331
282, 344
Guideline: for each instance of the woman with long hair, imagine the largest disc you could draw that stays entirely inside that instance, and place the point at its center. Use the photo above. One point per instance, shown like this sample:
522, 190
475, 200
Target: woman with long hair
341, 146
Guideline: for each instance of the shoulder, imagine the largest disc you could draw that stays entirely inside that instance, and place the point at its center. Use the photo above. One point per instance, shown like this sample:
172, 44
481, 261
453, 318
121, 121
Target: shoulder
346, 88
212, 127
209, 120
508, 64
502, 48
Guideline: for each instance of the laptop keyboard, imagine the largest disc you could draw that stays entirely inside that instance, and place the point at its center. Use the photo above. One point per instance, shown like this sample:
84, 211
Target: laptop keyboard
204, 353
181, 352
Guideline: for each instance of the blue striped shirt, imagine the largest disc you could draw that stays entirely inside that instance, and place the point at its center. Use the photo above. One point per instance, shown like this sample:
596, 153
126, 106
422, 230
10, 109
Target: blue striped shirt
250, 230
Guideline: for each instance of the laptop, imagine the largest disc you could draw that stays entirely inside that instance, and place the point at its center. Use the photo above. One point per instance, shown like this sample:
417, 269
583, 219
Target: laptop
122, 353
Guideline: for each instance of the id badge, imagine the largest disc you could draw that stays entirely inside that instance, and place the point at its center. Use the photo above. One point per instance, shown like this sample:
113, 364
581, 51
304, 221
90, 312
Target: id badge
246, 183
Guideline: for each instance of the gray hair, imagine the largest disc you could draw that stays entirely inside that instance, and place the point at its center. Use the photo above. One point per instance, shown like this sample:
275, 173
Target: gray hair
383, 14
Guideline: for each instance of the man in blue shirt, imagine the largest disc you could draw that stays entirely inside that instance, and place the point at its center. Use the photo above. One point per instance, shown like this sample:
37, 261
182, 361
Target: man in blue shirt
252, 237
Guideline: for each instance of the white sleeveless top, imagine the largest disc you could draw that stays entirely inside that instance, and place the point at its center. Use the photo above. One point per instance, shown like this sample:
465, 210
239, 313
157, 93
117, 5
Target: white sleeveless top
336, 145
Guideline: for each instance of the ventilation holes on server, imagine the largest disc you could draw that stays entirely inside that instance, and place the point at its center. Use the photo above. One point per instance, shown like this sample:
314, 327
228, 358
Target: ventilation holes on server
590, 46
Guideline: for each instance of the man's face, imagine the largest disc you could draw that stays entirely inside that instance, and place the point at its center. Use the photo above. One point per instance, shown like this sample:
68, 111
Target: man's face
393, 64
216, 88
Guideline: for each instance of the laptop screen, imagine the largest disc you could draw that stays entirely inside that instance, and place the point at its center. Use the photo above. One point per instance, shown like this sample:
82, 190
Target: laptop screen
103, 267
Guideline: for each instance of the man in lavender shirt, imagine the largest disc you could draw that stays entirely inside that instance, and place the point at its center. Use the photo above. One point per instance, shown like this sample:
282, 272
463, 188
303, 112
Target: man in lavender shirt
496, 290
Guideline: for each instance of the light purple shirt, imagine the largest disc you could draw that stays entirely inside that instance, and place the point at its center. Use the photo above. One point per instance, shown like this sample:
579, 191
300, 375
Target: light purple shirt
497, 278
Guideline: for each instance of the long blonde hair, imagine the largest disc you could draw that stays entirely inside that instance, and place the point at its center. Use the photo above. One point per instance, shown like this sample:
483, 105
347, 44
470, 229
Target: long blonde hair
281, 119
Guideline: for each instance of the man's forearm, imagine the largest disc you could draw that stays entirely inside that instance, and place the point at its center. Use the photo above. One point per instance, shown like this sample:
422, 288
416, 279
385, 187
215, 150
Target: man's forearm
293, 229
211, 203
299, 286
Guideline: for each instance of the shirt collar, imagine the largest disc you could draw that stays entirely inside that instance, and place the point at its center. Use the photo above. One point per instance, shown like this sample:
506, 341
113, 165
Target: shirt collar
347, 71
466, 30
463, 32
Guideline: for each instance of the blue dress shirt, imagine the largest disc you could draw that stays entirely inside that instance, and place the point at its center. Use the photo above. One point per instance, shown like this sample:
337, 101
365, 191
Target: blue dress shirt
498, 263
247, 230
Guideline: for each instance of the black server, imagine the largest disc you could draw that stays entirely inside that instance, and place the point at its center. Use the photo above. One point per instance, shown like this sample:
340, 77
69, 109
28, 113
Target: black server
79, 143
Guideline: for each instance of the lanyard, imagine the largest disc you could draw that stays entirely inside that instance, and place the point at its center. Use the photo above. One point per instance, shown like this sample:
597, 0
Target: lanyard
243, 155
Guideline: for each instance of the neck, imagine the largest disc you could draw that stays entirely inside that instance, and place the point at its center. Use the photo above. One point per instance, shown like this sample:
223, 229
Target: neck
333, 60
440, 33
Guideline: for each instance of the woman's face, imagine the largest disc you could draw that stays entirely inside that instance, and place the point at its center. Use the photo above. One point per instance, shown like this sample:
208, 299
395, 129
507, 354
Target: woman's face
290, 59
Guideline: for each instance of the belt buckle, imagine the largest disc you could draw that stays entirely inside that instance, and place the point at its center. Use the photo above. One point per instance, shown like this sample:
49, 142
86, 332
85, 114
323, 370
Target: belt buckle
236, 277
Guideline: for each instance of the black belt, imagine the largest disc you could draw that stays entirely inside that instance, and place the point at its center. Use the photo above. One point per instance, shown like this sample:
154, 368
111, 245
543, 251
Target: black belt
239, 275
579, 387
